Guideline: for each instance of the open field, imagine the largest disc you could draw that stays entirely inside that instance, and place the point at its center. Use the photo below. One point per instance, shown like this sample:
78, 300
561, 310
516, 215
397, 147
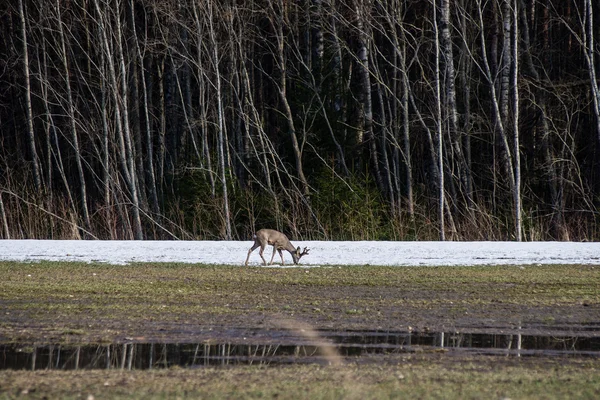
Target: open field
73, 304
63, 302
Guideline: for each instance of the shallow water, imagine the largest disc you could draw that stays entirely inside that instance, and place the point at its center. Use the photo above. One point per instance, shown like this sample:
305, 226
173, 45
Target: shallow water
285, 347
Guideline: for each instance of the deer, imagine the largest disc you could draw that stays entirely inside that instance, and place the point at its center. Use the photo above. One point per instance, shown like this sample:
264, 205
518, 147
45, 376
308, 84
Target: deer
279, 242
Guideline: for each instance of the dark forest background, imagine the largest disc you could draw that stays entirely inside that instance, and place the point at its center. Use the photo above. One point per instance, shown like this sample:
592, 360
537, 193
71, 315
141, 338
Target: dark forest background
326, 119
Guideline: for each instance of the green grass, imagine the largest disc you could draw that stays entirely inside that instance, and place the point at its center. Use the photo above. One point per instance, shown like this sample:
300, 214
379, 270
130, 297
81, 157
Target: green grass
411, 377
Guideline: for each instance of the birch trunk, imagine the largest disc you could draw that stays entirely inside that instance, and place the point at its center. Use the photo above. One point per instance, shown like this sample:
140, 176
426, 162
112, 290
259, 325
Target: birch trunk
517, 150
125, 152
496, 109
590, 54
147, 126
72, 120
133, 184
455, 134
365, 124
279, 24
438, 116
4, 219
465, 76
220, 122
30, 132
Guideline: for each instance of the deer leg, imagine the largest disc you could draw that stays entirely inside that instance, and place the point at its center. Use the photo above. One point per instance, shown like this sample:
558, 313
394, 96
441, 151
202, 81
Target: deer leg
250, 252
273, 255
262, 249
281, 255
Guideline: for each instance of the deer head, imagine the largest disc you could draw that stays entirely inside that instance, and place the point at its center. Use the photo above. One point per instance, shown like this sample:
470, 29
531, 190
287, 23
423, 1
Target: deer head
297, 254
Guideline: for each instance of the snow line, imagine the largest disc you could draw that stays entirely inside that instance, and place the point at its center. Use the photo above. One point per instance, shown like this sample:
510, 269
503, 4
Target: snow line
322, 253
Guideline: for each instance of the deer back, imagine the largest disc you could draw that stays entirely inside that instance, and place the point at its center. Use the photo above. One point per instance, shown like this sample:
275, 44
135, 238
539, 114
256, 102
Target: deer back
275, 238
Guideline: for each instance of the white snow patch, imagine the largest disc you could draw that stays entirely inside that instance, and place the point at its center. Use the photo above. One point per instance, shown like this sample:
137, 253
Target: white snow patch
322, 253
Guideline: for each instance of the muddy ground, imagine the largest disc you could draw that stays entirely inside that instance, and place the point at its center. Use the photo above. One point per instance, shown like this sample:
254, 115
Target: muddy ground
70, 302
146, 321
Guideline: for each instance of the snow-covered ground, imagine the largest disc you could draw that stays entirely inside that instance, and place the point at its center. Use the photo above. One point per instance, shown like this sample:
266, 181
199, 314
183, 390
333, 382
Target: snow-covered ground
321, 252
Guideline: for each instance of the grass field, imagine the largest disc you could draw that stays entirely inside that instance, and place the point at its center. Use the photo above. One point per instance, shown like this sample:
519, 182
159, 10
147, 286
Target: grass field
74, 303
413, 377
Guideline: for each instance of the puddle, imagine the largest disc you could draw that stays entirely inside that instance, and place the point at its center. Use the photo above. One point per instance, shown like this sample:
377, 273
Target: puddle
288, 349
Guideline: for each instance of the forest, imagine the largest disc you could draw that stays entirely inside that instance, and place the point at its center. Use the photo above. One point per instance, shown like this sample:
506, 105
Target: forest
325, 119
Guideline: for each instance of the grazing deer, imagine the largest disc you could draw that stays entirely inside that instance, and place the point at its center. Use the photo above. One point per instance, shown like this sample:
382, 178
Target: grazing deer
279, 242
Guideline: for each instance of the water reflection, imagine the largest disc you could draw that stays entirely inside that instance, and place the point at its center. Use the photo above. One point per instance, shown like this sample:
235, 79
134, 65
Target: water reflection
348, 344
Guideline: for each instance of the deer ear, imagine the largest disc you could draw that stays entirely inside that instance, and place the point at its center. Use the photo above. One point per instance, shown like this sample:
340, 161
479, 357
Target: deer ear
298, 249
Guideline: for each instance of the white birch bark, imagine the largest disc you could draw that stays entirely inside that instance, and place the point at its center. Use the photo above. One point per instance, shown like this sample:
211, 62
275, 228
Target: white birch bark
438, 116
220, 122
588, 42
30, 132
148, 127
517, 150
124, 148
279, 24
73, 121
507, 158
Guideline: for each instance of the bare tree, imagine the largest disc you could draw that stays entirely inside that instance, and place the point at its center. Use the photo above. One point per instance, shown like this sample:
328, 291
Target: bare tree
517, 150
439, 123
220, 117
125, 152
72, 120
590, 55
450, 100
30, 131
278, 21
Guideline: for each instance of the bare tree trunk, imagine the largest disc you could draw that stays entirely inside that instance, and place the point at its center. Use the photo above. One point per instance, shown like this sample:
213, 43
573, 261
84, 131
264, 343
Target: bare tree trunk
147, 126
496, 108
37, 180
465, 71
52, 142
395, 17
590, 54
438, 116
220, 124
125, 150
72, 120
104, 152
455, 133
505, 61
318, 47
388, 187
406, 151
279, 22
261, 152
365, 125
517, 150
106, 178
338, 101
204, 100
48, 122
4, 219
129, 149
62, 172
161, 130
366, 115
